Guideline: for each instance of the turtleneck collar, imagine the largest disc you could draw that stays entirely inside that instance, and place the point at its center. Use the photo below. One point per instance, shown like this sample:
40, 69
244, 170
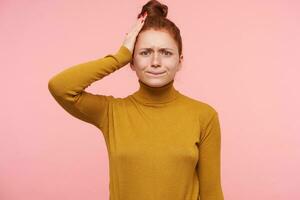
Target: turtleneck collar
148, 95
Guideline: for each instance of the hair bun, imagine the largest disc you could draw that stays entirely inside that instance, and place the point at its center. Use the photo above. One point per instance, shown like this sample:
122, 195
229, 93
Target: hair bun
154, 9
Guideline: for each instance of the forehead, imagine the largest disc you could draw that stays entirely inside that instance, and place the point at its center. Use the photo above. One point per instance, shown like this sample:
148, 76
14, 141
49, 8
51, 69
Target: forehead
155, 39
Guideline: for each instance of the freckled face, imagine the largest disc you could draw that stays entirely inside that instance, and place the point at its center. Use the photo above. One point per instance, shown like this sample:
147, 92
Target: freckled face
156, 59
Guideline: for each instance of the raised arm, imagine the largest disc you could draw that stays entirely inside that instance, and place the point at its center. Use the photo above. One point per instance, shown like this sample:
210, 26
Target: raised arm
209, 171
68, 87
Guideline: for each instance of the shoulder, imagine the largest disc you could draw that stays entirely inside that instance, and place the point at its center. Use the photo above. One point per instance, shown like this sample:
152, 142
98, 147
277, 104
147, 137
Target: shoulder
204, 110
198, 104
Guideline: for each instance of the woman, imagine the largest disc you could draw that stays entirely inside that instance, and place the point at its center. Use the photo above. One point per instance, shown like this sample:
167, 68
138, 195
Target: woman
162, 144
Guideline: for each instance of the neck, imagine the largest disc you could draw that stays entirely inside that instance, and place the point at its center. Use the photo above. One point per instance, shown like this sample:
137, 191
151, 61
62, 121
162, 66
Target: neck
156, 95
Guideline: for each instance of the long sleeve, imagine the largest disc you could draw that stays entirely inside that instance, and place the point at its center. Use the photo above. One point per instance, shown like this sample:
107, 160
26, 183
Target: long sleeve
68, 87
209, 172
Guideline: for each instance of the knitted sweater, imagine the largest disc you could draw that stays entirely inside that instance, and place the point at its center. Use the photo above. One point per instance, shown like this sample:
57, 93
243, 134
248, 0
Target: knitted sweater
162, 144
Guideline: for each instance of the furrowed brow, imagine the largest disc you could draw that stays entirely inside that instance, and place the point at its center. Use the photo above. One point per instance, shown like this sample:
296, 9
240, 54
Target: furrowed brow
159, 49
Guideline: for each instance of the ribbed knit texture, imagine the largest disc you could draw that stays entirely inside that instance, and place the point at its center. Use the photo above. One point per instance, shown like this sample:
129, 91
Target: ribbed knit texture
162, 145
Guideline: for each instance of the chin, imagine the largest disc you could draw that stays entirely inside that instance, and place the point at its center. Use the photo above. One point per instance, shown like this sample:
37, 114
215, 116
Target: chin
155, 82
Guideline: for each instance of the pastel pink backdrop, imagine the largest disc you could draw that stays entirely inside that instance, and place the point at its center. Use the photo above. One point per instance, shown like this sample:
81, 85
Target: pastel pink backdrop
242, 57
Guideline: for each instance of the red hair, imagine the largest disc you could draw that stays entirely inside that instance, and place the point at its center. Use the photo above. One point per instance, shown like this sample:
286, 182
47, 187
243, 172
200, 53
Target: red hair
157, 19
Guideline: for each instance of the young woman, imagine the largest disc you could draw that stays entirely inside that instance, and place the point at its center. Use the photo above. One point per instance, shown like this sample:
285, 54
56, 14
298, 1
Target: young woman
162, 144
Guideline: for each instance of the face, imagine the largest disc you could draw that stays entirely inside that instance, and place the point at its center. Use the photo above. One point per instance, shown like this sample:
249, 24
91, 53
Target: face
156, 59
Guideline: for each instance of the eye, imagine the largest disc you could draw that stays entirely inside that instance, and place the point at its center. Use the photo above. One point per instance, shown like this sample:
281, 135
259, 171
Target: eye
168, 53
144, 52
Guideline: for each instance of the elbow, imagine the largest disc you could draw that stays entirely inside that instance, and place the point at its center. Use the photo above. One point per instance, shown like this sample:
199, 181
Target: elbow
54, 88
51, 85
60, 92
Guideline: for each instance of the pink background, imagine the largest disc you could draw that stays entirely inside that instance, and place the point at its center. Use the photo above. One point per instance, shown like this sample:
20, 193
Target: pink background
242, 57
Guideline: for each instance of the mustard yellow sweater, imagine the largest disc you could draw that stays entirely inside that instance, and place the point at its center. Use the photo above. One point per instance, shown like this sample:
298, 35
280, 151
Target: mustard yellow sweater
162, 144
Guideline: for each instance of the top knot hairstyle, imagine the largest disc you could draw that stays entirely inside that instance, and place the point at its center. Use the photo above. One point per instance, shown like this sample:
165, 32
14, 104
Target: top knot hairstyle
154, 9
157, 19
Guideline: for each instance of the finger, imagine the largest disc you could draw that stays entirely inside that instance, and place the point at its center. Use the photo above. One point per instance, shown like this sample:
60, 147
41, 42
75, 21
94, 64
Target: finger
138, 26
135, 26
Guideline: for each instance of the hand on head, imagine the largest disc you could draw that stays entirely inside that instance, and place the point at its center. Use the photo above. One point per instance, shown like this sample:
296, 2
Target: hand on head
130, 37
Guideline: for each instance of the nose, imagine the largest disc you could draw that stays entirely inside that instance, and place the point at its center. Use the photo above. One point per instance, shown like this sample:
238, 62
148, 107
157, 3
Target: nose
155, 60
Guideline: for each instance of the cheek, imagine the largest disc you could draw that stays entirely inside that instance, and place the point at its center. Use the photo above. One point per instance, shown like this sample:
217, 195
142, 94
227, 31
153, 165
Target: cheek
173, 68
171, 64
141, 62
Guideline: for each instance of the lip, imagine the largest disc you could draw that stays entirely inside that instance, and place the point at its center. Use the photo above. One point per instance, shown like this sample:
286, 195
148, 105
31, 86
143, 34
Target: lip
156, 74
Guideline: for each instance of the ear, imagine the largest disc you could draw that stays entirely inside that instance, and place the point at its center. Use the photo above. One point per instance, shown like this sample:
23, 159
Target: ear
180, 62
132, 66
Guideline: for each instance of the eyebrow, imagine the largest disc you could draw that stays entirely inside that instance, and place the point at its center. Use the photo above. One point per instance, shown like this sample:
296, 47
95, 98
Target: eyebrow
159, 49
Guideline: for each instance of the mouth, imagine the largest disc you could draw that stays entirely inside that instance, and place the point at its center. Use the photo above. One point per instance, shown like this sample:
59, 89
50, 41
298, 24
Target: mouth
156, 74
